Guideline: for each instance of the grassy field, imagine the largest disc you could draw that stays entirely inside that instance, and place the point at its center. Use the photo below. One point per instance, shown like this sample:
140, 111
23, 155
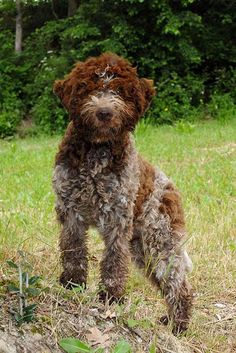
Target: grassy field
201, 161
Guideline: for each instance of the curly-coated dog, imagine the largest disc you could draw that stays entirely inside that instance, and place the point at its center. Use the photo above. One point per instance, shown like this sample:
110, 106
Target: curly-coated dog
101, 181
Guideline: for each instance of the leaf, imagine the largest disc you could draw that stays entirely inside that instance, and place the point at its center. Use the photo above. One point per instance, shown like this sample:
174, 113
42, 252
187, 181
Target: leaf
12, 288
146, 324
32, 291
98, 350
12, 264
23, 276
30, 308
18, 318
122, 347
232, 246
132, 323
33, 280
152, 348
28, 315
97, 337
73, 345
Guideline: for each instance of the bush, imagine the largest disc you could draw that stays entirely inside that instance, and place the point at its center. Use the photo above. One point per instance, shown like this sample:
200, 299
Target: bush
9, 121
46, 111
10, 113
221, 107
176, 99
48, 114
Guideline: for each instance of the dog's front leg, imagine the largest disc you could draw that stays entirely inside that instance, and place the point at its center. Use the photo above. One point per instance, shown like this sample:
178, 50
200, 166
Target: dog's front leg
74, 252
115, 262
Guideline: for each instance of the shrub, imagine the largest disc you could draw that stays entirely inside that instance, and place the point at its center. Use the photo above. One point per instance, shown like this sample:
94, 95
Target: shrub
221, 107
176, 99
8, 123
47, 113
46, 110
10, 113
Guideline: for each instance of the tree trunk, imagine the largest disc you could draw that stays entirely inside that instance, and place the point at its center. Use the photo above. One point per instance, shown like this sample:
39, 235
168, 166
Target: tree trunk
18, 39
72, 7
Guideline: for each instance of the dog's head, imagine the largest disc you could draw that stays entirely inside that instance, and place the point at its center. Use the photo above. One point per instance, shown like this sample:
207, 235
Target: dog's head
104, 96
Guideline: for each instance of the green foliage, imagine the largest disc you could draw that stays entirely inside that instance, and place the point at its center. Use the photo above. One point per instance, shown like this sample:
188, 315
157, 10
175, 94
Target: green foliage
48, 114
177, 99
25, 287
186, 46
73, 345
10, 104
9, 121
221, 107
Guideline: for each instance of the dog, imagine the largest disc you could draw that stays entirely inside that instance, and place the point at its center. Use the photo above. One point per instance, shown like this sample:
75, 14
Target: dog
101, 181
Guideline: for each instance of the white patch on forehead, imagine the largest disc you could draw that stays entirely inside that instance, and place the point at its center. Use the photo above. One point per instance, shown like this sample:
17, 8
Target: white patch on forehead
104, 75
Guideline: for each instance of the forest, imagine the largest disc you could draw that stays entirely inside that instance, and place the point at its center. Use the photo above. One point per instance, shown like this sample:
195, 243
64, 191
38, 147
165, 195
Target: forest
186, 46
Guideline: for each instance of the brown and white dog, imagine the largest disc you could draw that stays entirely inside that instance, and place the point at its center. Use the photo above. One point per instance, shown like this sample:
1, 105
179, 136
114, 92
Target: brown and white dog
101, 181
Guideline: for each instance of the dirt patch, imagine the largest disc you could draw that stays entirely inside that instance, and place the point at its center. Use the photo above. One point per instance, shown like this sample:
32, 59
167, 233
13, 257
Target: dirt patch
94, 323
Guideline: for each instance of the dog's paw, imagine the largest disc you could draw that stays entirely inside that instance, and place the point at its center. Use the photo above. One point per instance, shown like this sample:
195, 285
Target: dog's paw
106, 297
71, 283
179, 328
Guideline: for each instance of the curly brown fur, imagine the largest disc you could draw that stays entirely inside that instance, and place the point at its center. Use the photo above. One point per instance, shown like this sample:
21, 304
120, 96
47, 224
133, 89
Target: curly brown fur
100, 181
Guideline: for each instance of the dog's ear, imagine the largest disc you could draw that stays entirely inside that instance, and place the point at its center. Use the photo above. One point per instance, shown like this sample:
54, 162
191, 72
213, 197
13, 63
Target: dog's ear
63, 89
148, 91
58, 88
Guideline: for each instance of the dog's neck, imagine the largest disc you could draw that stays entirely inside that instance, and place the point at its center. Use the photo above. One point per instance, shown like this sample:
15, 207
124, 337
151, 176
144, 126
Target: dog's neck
75, 147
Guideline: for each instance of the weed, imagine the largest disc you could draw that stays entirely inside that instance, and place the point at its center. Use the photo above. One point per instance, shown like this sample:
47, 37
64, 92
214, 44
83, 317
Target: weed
72, 345
24, 289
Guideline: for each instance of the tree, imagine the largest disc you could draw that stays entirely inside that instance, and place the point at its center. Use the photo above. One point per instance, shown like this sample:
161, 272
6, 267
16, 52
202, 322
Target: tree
18, 38
72, 7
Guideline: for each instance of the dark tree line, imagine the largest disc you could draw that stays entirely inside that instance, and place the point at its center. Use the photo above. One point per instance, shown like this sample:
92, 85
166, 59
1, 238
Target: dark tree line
187, 46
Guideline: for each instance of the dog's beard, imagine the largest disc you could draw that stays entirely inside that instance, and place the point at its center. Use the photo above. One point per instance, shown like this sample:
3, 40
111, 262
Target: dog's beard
100, 133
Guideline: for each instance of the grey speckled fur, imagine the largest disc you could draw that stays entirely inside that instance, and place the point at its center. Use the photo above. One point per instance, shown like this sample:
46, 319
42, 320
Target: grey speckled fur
92, 198
101, 181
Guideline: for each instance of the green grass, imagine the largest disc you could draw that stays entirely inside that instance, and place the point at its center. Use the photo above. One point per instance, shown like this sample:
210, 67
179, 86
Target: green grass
201, 161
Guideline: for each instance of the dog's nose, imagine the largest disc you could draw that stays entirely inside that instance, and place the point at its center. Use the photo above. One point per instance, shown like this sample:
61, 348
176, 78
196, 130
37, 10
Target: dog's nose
104, 114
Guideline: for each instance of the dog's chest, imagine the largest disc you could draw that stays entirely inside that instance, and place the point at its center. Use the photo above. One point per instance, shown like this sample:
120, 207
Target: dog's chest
94, 191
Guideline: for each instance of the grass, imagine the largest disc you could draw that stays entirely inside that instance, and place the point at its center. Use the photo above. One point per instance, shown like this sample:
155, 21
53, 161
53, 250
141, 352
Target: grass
201, 161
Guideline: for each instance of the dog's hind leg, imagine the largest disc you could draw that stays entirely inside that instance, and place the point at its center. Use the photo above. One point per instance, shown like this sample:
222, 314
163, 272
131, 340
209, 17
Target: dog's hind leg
166, 270
170, 276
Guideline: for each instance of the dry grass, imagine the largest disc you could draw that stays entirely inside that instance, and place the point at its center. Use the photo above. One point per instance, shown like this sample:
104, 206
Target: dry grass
201, 162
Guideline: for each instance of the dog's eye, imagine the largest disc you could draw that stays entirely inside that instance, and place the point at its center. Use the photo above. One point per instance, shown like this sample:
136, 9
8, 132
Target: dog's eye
115, 75
95, 78
119, 90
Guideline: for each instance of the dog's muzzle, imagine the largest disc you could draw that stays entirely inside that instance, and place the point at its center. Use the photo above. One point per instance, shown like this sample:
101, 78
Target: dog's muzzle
104, 114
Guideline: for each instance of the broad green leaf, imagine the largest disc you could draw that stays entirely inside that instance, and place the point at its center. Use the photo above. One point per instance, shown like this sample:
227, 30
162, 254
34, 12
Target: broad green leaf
32, 291
12, 264
132, 323
34, 279
12, 288
30, 308
73, 345
122, 347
